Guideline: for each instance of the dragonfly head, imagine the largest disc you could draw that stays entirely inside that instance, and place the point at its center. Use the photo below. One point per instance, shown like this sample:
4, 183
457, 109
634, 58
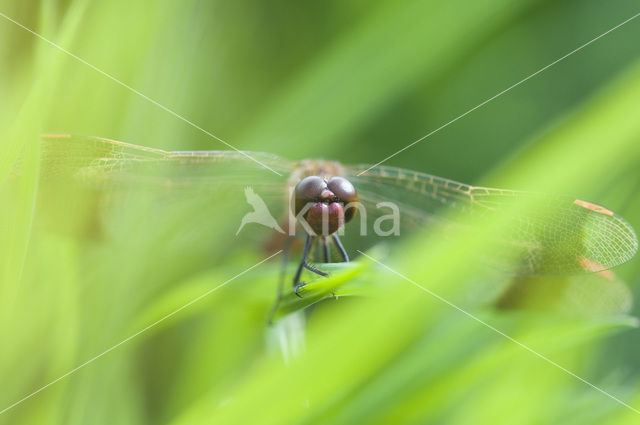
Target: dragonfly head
324, 204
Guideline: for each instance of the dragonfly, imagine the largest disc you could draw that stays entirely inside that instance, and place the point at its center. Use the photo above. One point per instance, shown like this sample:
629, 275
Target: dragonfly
552, 235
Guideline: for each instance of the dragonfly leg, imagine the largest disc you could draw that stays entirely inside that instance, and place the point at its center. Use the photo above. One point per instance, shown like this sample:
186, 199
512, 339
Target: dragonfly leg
303, 261
297, 288
327, 257
327, 251
314, 270
303, 264
343, 252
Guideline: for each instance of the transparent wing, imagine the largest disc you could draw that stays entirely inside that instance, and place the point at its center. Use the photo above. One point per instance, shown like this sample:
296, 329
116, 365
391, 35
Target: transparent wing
554, 235
91, 186
99, 161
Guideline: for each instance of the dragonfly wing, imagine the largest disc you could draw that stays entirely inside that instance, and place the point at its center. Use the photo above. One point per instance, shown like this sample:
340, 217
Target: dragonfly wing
100, 180
109, 163
553, 235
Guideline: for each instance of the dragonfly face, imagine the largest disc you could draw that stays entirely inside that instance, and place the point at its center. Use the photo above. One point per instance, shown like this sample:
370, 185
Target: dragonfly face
325, 205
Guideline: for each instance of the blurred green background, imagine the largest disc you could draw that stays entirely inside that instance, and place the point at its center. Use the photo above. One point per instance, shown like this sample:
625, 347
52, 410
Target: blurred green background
348, 80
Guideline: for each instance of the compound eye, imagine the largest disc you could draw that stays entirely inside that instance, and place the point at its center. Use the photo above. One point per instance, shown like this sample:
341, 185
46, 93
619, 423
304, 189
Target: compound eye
343, 189
346, 193
308, 190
